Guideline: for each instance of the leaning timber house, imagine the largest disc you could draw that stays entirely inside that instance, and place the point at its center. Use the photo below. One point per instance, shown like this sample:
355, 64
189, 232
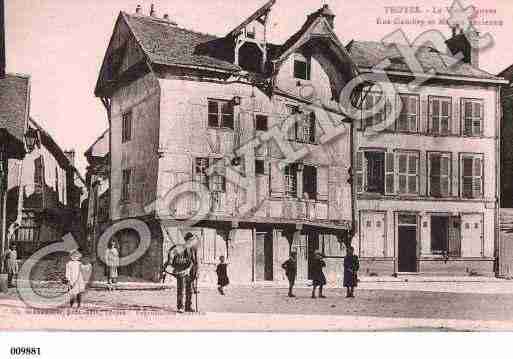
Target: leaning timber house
181, 103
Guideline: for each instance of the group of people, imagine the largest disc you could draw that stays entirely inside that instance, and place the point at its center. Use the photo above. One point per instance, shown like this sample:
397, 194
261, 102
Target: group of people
351, 267
184, 263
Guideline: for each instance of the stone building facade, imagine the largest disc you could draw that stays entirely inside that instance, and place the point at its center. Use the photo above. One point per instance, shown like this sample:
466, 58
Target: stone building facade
428, 183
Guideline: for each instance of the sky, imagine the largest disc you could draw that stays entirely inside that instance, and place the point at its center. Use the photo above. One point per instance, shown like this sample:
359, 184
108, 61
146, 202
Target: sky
61, 43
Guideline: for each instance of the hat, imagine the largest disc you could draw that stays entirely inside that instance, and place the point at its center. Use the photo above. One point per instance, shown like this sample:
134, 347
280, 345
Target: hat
188, 236
75, 255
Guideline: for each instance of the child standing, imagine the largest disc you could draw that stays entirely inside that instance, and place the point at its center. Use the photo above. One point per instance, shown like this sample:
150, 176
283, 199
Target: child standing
112, 262
11, 260
319, 280
222, 275
351, 267
75, 278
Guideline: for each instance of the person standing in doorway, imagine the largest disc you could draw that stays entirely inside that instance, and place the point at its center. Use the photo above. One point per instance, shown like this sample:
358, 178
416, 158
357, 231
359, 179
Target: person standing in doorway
11, 262
75, 279
112, 262
351, 267
319, 280
290, 266
222, 275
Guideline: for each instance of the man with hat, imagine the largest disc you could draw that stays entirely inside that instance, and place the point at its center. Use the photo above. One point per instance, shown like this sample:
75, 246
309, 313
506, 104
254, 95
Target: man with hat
183, 259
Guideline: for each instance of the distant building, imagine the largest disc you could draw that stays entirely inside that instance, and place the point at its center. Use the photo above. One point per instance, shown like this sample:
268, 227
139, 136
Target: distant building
44, 195
96, 210
180, 103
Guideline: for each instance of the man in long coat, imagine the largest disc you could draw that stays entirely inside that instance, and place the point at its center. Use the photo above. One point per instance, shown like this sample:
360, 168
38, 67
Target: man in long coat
351, 267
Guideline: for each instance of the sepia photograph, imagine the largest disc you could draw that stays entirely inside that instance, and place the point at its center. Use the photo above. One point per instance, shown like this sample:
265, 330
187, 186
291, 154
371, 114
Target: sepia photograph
259, 166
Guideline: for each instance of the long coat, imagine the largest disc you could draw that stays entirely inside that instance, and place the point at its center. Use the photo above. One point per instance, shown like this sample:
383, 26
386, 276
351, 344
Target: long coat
11, 261
318, 277
222, 274
351, 267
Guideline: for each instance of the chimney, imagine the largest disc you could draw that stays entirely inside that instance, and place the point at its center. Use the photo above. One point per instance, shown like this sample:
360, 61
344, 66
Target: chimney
70, 155
2, 40
138, 9
326, 12
166, 17
152, 10
466, 43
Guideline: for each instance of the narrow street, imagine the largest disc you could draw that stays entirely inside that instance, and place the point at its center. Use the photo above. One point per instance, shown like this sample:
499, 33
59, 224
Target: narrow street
467, 306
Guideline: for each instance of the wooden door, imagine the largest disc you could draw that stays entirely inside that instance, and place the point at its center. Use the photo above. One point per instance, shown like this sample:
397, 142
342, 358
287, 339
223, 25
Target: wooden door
373, 234
472, 235
407, 243
264, 256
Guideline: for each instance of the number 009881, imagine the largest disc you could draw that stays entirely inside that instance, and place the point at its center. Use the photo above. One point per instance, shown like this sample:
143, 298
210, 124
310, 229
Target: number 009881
26, 351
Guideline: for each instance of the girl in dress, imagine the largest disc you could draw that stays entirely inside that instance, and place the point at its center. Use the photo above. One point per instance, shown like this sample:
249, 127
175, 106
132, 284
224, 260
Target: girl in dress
112, 262
11, 260
222, 275
75, 278
319, 280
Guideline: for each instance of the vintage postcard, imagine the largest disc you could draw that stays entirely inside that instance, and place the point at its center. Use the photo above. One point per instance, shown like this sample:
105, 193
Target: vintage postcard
261, 165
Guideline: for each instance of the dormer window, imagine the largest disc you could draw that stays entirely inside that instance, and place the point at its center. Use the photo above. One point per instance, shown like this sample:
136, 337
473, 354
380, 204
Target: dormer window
301, 67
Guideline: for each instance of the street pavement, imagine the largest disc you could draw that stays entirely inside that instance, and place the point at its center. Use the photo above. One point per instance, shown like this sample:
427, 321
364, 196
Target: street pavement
377, 306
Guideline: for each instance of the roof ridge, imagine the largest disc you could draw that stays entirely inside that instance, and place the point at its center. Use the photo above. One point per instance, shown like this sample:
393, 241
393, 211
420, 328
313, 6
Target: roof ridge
172, 25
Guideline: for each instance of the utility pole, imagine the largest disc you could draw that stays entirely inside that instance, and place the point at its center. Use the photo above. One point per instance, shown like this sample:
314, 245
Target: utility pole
3, 196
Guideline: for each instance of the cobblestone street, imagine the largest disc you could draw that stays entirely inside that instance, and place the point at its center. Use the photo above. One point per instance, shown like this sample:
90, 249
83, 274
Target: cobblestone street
467, 306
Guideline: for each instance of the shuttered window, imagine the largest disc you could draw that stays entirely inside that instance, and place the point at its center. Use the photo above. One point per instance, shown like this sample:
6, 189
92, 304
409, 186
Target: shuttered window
358, 171
371, 101
408, 117
370, 172
472, 111
310, 182
472, 176
439, 174
440, 110
408, 172
301, 67
389, 173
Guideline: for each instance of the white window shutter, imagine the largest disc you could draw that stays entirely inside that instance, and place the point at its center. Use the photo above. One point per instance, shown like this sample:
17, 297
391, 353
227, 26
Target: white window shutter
277, 184
389, 173
359, 171
322, 183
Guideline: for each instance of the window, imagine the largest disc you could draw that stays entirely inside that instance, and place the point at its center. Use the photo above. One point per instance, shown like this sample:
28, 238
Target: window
200, 170
301, 67
125, 185
126, 127
408, 118
439, 174
440, 113
310, 182
472, 117
472, 176
261, 123
371, 100
303, 129
370, 171
220, 114
445, 235
290, 173
408, 172
332, 247
38, 174
260, 167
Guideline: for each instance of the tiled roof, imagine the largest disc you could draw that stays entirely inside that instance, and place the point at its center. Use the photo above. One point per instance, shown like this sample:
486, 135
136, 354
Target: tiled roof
166, 44
367, 54
14, 105
507, 73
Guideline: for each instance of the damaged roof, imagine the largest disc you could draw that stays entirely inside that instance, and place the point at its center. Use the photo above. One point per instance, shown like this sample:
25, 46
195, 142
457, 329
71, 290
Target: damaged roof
368, 54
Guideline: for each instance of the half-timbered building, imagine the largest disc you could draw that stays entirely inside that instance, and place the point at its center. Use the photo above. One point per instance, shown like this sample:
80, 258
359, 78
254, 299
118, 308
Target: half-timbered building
187, 107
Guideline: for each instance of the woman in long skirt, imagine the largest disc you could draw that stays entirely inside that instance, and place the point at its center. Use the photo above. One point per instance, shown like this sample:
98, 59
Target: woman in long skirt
319, 280
351, 267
